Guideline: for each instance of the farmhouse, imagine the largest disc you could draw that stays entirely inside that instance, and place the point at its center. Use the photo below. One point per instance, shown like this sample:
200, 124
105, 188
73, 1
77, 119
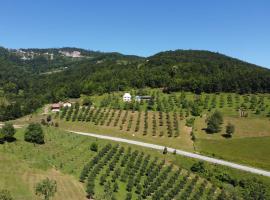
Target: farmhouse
55, 107
67, 104
127, 97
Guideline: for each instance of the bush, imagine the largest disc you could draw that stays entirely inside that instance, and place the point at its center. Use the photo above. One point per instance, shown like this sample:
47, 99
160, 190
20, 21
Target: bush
5, 195
190, 122
34, 134
198, 167
94, 147
8, 131
214, 122
229, 130
46, 188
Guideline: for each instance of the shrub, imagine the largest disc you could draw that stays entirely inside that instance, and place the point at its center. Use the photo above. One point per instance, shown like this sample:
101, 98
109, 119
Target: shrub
5, 195
198, 167
94, 147
190, 122
8, 131
34, 134
46, 188
230, 130
214, 122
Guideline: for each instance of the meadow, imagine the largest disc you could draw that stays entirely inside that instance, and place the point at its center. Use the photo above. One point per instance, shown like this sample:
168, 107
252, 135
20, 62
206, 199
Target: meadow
65, 156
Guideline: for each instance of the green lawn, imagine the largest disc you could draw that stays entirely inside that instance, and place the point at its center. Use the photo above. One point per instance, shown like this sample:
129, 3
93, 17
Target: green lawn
250, 151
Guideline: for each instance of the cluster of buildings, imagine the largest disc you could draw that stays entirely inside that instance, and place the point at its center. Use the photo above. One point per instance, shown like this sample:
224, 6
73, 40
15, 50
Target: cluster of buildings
30, 55
57, 106
128, 98
73, 54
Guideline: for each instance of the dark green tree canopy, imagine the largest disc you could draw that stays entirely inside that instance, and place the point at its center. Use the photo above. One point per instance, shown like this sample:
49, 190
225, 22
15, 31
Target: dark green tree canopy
29, 84
214, 122
8, 131
34, 134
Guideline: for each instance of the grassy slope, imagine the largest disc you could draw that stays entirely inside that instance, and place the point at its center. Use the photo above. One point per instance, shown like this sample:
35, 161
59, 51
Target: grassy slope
255, 127
249, 145
239, 150
20, 178
64, 154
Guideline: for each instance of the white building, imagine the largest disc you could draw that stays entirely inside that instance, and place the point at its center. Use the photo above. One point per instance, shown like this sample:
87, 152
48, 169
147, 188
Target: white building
67, 104
127, 97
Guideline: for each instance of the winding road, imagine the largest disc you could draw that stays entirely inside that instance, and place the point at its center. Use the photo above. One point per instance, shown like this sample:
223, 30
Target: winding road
180, 152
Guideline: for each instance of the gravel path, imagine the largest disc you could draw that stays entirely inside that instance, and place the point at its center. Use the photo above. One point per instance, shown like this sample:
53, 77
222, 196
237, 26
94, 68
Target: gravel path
180, 152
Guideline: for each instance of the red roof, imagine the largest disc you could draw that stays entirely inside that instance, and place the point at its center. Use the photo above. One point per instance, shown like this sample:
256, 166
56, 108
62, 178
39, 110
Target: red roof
56, 105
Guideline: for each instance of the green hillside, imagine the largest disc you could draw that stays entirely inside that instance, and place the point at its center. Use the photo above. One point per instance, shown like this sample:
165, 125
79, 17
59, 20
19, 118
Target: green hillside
68, 159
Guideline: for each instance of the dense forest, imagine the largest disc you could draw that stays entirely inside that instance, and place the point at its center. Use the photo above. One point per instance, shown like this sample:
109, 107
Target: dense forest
27, 84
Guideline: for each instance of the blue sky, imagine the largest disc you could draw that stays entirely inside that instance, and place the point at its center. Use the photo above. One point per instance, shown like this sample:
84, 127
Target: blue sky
239, 28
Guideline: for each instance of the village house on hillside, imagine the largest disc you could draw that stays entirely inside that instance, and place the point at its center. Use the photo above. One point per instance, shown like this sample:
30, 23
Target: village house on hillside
56, 107
127, 97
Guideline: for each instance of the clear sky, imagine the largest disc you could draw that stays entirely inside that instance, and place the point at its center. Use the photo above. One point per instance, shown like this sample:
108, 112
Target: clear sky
239, 28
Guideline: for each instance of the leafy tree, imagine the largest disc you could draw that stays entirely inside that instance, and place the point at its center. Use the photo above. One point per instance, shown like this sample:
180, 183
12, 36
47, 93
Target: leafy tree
94, 147
190, 122
230, 129
214, 122
8, 131
198, 167
253, 189
195, 110
5, 195
34, 134
46, 188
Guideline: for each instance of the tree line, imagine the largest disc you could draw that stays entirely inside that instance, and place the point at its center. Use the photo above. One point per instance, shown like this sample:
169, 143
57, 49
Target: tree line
181, 70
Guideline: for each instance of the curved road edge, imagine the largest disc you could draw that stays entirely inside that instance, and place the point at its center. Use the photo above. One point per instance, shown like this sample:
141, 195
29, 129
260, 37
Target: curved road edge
179, 152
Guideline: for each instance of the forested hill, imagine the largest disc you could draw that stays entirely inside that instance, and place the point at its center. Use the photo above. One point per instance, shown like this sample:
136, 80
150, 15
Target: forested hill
207, 71
27, 83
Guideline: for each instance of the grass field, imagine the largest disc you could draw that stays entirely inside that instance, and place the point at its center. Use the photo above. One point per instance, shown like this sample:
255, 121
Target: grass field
20, 178
62, 158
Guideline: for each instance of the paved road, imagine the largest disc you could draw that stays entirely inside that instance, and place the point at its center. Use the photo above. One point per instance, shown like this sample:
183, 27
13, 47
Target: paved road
180, 152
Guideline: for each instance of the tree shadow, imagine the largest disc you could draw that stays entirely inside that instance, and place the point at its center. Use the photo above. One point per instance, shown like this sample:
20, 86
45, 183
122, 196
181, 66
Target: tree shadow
226, 136
10, 140
206, 130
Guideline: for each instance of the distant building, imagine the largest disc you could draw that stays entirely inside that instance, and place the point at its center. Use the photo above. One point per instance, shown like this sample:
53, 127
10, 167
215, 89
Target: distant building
67, 104
140, 98
56, 107
127, 97
73, 54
